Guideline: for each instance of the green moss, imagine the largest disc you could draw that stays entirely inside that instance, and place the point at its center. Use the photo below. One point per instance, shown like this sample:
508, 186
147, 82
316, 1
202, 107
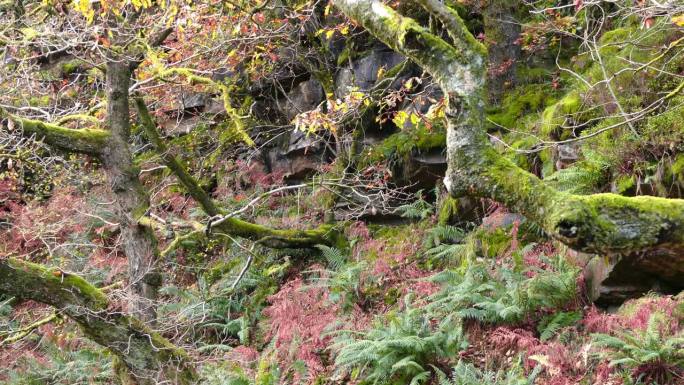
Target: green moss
554, 115
527, 74
666, 127
678, 167
618, 35
86, 140
39, 101
447, 210
403, 144
530, 98
624, 184
47, 285
522, 159
69, 67
493, 243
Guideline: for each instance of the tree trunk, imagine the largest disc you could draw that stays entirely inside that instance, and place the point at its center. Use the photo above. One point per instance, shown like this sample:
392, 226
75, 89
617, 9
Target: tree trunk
502, 32
131, 199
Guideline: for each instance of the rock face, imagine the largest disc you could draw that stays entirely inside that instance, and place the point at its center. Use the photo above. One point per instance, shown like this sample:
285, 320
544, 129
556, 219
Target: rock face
613, 280
363, 73
305, 96
299, 157
566, 154
193, 110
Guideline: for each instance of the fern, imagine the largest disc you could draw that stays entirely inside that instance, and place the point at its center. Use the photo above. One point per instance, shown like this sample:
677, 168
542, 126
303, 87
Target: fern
468, 374
419, 209
342, 279
334, 257
401, 350
653, 356
268, 373
583, 177
507, 297
85, 366
549, 326
443, 234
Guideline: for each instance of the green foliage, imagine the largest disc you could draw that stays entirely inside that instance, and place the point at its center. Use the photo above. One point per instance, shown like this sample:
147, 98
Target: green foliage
334, 257
343, 280
213, 304
266, 373
584, 177
445, 243
527, 99
418, 209
401, 350
652, 353
504, 296
468, 374
443, 234
551, 324
399, 146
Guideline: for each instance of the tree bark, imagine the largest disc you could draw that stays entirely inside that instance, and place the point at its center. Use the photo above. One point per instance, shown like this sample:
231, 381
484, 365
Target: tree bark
132, 201
501, 32
601, 223
149, 357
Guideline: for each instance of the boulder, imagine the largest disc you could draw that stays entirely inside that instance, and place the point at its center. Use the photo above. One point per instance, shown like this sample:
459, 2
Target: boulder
194, 102
567, 154
304, 97
303, 143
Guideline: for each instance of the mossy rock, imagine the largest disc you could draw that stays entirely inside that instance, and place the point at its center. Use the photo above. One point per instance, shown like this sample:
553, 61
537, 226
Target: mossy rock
525, 100
556, 114
625, 185
404, 143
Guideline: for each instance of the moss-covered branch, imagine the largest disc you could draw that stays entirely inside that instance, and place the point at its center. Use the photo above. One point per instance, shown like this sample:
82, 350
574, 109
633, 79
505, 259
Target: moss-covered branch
602, 223
599, 223
85, 140
149, 357
195, 190
275, 238
26, 330
235, 119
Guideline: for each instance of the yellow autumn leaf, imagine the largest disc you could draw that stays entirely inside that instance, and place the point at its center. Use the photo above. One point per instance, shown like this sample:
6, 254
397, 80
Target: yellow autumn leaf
415, 119
678, 20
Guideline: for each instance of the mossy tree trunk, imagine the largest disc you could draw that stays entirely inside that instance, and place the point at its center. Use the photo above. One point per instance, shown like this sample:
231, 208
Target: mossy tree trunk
149, 357
601, 223
132, 200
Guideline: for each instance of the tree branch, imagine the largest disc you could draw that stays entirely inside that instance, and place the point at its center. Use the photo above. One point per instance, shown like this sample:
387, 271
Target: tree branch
26, 330
148, 356
89, 141
154, 41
